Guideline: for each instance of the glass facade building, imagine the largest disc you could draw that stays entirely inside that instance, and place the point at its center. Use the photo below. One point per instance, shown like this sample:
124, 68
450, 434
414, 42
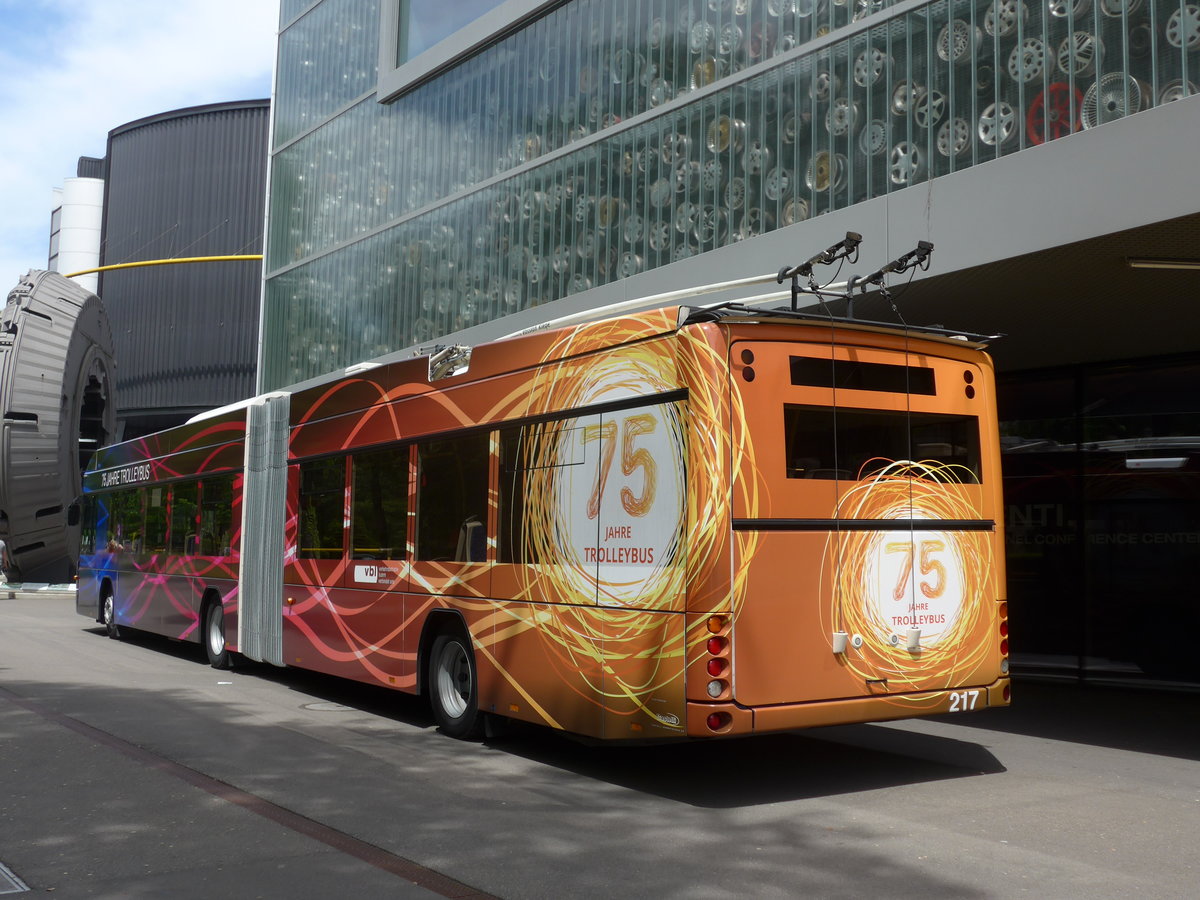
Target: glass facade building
588, 142
607, 137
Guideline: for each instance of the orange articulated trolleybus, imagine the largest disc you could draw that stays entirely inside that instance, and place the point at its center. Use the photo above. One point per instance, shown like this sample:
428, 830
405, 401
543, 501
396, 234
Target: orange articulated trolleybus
688, 521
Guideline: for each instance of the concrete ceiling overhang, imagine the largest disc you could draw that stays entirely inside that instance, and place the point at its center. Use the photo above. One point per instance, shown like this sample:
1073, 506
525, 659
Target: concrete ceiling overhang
1072, 304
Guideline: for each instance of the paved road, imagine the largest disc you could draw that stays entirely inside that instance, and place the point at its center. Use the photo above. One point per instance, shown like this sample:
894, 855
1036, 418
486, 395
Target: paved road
130, 769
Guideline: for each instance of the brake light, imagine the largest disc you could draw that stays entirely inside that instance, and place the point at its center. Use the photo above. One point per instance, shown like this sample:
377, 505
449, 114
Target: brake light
717, 665
718, 721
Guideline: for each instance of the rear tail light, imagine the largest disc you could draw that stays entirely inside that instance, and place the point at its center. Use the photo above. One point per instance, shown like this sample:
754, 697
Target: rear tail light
717, 665
718, 721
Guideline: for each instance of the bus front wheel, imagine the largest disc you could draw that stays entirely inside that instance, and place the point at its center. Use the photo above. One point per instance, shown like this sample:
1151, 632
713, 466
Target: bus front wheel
214, 636
454, 687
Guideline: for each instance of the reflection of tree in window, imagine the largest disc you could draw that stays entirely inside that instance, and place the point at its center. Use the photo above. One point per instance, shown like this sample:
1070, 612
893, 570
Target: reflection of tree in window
216, 516
452, 498
124, 518
379, 521
156, 520
184, 502
322, 488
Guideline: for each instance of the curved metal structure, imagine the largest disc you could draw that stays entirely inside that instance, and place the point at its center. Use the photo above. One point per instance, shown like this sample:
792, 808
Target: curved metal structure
56, 386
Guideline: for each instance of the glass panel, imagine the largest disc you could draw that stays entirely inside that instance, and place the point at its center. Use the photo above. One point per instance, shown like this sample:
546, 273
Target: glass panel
827, 443
184, 505
425, 22
124, 520
452, 493
397, 207
379, 517
156, 520
322, 492
216, 516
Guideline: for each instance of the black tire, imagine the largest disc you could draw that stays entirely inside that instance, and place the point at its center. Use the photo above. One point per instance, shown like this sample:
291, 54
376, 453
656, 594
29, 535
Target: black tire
108, 616
214, 636
454, 687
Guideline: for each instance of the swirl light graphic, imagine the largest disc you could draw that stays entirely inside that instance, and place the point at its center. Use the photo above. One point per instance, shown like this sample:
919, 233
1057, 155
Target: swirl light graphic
905, 572
618, 655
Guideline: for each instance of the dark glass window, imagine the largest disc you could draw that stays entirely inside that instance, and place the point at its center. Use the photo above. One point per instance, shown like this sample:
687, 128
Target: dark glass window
828, 443
156, 520
89, 507
184, 504
322, 489
379, 520
452, 491
528, 456
216, 516
855, 375
123, 520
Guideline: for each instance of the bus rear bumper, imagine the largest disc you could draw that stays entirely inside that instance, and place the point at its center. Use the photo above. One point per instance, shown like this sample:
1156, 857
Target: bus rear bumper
786, 717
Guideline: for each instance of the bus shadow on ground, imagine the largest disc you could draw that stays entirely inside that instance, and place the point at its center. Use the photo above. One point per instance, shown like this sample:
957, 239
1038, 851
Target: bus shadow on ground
762, 769
718, 774
1155, 721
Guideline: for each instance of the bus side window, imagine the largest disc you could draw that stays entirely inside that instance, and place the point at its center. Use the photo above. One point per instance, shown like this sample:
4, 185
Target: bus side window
216, 515
322, 490
87, 529
452, 494
529, 456
184, 503
124, 520
156, 520
379, 514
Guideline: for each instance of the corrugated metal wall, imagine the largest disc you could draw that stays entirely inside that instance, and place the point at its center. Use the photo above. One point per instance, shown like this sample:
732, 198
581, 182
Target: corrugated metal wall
184, 184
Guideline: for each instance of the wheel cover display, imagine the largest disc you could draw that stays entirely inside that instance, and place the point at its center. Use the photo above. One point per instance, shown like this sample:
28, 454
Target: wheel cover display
873, 138
998, 124
1183, 27
777, 183
1175, 90
869, 66
929, 109
1113, 97
824, 85
904, 97
842, 117
958, 41
56, 391
1027, 60
1003, 17
1080, 54
907, 163
954, 137
1054, 113
825, 171
795, 210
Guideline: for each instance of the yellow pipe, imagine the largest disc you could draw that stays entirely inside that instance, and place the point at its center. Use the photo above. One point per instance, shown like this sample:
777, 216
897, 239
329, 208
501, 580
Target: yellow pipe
167, 262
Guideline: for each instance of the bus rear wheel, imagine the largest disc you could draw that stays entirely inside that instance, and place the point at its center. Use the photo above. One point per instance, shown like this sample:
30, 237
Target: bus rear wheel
214, 636
454, 687
108, 615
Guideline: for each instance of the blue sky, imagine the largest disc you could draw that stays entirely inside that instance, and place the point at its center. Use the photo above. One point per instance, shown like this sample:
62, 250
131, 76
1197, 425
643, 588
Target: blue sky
72, 70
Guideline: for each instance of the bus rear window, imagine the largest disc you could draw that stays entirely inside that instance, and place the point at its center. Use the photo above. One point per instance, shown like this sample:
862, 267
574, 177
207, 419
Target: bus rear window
856, 375
828, 443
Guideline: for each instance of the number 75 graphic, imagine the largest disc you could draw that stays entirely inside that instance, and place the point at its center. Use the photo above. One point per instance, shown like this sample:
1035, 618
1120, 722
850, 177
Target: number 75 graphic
929, 565
631, 460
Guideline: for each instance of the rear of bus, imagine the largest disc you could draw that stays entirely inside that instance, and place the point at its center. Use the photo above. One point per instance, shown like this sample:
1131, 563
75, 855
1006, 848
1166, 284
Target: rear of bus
868, 578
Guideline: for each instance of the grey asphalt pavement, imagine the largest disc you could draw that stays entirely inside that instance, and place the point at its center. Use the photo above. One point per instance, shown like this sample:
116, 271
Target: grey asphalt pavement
132, 769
